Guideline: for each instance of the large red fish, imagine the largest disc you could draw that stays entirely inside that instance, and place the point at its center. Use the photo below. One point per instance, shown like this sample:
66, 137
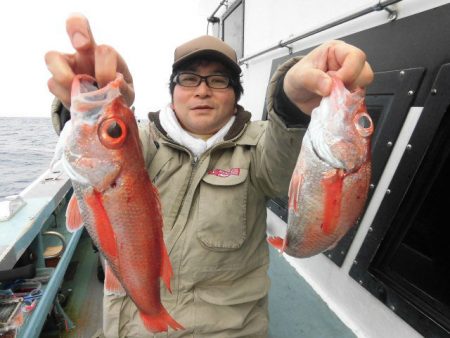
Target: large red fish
115, 198
330, 182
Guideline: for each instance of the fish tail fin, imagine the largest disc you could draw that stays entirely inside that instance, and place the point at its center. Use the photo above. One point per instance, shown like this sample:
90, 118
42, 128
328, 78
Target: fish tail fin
277, 242
166, 268
112, 284
160, 322
73, 216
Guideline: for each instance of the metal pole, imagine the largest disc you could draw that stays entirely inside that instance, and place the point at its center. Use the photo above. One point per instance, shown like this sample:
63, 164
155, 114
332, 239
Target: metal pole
378, 7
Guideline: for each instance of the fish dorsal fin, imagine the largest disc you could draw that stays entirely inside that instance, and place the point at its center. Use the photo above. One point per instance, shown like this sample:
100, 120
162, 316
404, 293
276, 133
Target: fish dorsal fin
102, 226
166, 267
73, 216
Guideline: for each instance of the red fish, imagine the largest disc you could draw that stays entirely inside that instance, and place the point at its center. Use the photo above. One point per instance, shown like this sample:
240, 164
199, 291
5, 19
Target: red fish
330, 182
115, 198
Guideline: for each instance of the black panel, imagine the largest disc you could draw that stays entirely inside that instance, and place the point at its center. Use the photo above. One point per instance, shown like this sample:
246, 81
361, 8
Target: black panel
407, 243
396, 45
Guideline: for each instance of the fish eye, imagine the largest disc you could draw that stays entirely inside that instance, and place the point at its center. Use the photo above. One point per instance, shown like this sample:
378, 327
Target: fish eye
364, 122
112, 132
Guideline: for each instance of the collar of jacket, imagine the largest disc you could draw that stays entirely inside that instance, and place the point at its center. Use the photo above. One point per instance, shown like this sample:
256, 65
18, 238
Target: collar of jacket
242, 118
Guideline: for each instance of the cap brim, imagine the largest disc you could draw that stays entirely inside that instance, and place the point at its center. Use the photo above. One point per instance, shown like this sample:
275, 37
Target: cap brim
210, 54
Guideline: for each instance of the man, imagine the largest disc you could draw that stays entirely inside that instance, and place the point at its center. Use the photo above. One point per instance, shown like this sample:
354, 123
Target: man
214, 170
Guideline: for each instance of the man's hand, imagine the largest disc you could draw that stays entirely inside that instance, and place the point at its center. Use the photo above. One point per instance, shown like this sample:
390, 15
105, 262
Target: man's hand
99, 61
310, 79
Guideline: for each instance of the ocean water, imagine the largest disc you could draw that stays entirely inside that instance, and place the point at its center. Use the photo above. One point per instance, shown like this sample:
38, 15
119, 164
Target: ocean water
26, 149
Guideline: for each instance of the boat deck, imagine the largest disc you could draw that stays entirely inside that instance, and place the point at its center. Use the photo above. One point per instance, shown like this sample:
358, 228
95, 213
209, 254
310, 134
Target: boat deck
295, 309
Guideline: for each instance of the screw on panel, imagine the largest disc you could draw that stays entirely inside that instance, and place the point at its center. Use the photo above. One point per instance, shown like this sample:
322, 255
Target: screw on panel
388, 191
409, 147
410, 92
433, 91
370, 229
402, 73
389, 144
371, 186
355, 262
392, 307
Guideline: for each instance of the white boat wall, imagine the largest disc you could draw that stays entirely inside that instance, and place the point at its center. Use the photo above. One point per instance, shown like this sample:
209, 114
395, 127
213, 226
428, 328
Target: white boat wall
383, 279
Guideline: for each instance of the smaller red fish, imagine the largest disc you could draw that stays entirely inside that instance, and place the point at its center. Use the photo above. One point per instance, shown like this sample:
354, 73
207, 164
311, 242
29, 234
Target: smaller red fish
330, 182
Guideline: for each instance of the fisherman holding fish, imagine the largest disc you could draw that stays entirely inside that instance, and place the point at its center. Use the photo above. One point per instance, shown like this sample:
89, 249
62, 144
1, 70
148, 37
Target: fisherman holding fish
214, 170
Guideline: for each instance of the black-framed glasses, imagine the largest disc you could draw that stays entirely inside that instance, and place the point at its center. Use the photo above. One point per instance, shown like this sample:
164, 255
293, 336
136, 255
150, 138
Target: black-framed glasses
194, 80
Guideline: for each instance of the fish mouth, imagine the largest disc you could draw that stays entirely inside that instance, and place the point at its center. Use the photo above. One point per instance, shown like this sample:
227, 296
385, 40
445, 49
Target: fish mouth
88, 99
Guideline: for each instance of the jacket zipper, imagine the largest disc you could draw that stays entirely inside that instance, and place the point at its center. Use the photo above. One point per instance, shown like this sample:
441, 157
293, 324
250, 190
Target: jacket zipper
195, 161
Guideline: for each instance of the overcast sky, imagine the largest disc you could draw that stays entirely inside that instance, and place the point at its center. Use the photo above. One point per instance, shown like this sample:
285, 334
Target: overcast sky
144, 32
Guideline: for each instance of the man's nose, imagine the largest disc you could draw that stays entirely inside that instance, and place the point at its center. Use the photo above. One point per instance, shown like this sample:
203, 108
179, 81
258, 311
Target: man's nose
202, 89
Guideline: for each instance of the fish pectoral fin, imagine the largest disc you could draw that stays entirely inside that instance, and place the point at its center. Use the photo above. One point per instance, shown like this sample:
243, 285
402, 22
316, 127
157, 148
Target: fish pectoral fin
294, 191
332, 184
112, 284
277, 242
73, 216
102, 225
166, 267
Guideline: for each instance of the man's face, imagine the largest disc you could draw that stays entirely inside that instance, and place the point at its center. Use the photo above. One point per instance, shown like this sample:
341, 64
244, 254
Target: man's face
203, 110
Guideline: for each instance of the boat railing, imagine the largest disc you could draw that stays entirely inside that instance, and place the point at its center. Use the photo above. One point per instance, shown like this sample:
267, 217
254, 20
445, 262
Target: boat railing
380, 6
44, 199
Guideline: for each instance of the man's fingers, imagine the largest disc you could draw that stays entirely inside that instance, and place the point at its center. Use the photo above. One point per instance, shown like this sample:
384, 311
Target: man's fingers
80, 34
127, 90
350, 65
59, 66
105, 64
315, 81
79, 31
61, 92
